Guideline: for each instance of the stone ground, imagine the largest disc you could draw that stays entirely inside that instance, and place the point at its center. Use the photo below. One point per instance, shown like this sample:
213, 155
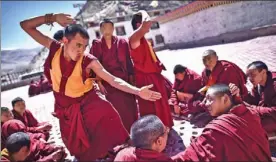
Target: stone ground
241, 53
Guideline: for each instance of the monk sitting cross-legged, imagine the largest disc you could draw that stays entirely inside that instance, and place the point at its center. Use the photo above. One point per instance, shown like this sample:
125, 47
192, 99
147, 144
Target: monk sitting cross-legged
89, 124
149, 137
215, 72
186, 81
235, 134
148, 68
24, 115
262, 97
21, 147
7, 120
113, 53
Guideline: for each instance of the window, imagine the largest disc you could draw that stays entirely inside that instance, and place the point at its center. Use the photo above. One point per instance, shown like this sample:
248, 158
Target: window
120, 30
98, 35
155, 26
159, 39
151, 42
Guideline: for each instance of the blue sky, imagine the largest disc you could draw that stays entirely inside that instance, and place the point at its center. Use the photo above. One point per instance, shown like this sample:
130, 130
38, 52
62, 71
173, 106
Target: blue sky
12, 12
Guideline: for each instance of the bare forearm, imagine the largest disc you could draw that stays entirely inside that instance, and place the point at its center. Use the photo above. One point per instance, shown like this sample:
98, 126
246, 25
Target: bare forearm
33, 23
124, 86
30, 27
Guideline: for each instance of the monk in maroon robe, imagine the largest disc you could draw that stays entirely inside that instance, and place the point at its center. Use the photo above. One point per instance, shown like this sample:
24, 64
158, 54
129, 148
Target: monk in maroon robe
12, 126
147, 69
6, 115
186, 81
113, 53
235, 134
263, 94
215, 72
89, 124
149, 138
44, 84
34, 89
25, 116
21, 147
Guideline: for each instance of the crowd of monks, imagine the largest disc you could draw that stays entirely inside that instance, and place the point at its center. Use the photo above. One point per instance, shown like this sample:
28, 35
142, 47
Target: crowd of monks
96, 93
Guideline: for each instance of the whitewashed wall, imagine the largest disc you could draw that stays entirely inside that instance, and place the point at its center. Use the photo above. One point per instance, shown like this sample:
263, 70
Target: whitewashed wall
219, 20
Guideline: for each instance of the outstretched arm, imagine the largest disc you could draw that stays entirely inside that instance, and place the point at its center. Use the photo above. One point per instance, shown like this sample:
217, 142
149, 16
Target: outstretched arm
30, 26
120, 84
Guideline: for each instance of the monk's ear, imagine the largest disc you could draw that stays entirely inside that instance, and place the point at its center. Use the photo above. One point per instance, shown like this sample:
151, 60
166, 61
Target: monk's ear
159, 141
65, 40
225, 98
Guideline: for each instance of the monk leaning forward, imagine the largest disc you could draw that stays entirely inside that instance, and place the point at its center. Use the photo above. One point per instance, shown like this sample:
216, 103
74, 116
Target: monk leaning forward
235, 134
89, 124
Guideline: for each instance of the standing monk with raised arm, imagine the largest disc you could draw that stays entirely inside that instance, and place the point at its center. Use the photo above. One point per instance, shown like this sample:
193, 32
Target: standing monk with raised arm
147, 69
89, 124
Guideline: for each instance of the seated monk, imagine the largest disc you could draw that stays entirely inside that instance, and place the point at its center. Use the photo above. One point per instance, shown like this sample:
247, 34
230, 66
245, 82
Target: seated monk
216, 71
6, 115
21, 147
25, 116
44, 84
263, 94
235, 134
149, 137
186, 81
34, 89
12, 126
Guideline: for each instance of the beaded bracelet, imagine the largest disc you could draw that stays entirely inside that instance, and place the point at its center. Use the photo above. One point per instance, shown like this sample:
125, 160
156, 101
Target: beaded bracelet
49, 19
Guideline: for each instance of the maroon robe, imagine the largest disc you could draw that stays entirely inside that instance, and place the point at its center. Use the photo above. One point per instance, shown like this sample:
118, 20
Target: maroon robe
30, 122
89, 124
39, 151
224, 72
44, 85
264, 97
134, 154
34, 89
234, 136
116, 61
147, 72
191, 84
13, 126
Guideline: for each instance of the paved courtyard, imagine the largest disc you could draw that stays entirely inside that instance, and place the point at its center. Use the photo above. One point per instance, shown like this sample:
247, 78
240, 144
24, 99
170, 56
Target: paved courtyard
241, 53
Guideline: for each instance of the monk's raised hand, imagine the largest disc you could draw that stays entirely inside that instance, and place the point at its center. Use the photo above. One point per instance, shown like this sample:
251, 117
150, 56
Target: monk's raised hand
235, 91
147, 94
64, 19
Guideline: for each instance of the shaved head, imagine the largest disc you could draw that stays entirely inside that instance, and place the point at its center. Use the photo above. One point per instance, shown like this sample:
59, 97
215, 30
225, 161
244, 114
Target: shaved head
219, 90
218, 99
209, 58
257, 73
146, 130
258, 65
209, 52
